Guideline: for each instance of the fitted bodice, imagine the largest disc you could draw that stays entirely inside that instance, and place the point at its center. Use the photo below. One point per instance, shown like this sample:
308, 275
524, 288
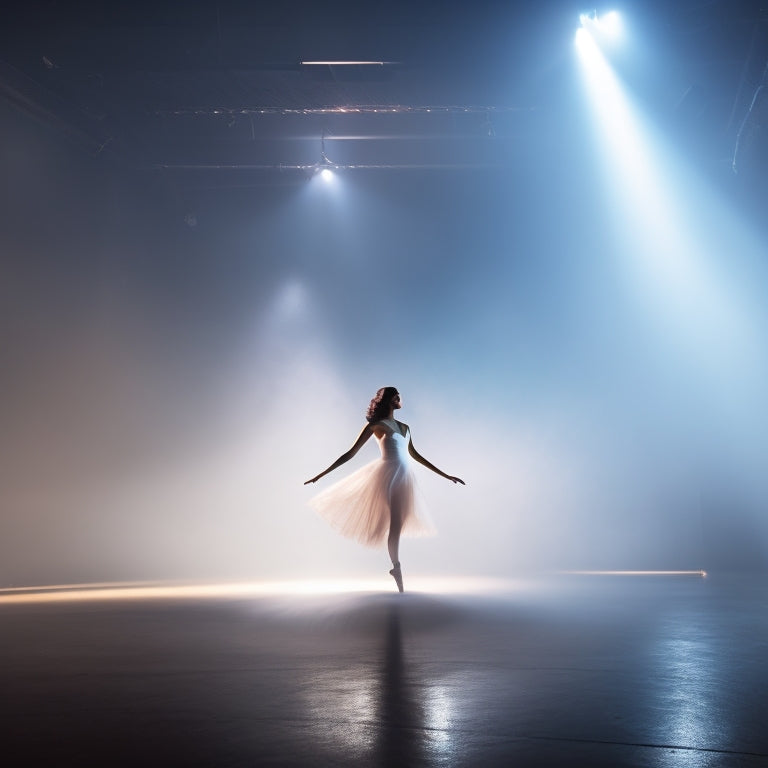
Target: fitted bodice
393, 444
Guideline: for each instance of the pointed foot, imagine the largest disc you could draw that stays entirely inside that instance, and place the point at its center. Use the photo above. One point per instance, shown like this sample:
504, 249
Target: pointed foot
397, 575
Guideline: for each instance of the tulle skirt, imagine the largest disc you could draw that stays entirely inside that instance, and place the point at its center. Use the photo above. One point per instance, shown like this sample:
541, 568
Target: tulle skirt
362, 505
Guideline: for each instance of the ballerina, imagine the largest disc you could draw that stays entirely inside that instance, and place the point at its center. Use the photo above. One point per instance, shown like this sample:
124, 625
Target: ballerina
377, 502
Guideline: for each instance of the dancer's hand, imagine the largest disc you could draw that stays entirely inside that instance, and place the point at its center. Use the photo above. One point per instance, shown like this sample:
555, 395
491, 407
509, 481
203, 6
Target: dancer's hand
455, 479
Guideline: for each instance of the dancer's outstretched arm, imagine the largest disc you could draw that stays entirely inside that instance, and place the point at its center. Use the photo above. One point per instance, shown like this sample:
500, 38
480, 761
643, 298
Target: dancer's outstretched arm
362, 438
418, 457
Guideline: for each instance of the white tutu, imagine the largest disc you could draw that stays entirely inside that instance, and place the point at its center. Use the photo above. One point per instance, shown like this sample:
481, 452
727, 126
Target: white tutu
362, 505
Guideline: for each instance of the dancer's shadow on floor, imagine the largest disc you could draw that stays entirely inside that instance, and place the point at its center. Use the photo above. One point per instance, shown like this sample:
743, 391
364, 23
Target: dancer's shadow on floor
401, 630
402, 714
405, 737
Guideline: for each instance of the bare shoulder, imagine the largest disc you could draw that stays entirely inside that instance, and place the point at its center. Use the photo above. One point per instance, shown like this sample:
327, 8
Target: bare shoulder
377, 428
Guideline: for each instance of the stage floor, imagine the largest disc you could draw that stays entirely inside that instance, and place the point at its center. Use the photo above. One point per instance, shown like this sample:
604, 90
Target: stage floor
578, 670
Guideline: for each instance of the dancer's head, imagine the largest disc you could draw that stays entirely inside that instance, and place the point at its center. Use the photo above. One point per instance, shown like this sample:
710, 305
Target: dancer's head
386, 398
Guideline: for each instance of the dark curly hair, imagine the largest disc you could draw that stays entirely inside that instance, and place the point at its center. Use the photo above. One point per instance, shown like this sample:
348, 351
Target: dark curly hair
379, 407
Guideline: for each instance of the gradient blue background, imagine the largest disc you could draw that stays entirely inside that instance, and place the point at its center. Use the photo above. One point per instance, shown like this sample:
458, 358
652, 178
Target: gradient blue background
167, 389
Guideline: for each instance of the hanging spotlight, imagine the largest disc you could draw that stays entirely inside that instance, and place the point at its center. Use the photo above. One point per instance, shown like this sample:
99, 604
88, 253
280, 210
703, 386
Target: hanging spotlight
324, 167
611, 24
607, 25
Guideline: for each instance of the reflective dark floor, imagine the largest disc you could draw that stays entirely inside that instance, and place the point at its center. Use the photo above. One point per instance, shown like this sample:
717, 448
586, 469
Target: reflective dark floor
593, 671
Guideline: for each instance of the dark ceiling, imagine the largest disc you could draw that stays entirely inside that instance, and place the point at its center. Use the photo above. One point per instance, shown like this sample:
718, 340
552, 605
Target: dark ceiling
219, 88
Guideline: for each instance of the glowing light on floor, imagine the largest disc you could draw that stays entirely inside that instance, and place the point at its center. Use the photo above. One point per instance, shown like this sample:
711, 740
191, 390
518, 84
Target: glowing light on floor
701, 574
105, 591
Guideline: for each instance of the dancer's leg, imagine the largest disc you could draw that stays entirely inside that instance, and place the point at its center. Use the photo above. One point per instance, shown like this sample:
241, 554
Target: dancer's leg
393, 540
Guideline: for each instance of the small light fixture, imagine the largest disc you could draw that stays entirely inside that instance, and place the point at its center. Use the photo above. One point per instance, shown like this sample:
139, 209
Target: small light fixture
607, 24
324, 167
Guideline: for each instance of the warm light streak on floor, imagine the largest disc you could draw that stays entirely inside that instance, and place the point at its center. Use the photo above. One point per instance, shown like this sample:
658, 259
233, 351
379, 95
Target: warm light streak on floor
146, 590
702, 574
136, 590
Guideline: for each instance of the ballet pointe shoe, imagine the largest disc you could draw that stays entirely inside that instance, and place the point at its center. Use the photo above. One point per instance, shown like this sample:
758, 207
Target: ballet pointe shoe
397, 575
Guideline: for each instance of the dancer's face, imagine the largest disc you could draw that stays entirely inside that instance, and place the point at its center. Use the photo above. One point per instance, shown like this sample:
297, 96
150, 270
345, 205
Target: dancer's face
396, 403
